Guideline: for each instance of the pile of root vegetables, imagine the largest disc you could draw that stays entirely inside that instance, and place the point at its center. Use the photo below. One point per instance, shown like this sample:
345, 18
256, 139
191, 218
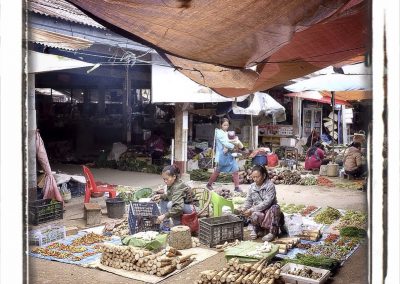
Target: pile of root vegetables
275, 175
245, 176
235, 272
137, 259
224, 192
284, 177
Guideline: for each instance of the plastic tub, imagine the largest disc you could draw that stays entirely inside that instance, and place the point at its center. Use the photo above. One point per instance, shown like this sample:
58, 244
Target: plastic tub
260, 160
332, 170
115, 207
323, 170
294, 279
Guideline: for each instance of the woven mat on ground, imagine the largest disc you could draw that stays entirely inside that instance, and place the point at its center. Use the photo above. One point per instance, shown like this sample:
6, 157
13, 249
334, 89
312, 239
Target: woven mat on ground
200, 254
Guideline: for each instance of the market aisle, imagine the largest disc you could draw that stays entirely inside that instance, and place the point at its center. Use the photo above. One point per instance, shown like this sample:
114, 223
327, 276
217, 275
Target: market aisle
340, 198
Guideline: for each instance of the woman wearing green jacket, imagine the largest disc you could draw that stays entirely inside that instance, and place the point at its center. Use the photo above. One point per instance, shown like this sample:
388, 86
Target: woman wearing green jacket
178, 198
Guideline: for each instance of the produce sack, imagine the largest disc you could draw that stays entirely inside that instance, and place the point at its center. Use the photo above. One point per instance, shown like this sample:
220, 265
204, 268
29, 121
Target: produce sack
155, 244
191, 220
294, 224
273, 160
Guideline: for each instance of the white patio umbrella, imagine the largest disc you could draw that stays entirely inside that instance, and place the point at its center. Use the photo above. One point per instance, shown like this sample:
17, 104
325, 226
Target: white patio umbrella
262, 103
333, 82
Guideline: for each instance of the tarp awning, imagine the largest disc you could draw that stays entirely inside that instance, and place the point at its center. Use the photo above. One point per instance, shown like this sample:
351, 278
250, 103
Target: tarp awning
316, 96
242, 46
41, 62
350, 95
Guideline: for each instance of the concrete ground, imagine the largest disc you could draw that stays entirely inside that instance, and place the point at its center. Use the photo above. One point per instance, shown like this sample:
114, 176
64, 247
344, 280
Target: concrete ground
41, 271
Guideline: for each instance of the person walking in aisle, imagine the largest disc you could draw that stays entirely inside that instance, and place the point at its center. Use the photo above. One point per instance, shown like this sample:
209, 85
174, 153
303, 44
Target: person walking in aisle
224, 161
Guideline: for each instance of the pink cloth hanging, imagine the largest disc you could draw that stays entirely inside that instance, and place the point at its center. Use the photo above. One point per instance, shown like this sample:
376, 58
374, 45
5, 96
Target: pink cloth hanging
50, 185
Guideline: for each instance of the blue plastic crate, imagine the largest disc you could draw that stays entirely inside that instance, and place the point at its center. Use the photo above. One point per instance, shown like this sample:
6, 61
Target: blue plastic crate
142, 217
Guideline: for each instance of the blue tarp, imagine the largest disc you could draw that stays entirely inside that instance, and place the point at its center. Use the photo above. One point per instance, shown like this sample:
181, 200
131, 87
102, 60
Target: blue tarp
90, 248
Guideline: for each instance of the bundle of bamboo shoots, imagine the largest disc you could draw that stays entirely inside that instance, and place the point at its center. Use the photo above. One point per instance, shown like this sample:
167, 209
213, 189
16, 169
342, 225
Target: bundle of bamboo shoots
310, 235
285, 244
138, 259
247, 273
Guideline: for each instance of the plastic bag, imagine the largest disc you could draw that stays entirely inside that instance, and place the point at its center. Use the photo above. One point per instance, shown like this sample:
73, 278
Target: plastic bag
65, 192
191, 220
273, 160
294, 224
117, 150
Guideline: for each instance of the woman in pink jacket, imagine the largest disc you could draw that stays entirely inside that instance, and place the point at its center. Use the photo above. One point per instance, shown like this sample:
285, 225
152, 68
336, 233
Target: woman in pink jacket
315, 157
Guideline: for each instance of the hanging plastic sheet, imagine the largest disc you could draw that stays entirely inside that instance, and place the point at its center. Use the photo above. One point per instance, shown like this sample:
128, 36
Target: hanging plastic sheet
50, 187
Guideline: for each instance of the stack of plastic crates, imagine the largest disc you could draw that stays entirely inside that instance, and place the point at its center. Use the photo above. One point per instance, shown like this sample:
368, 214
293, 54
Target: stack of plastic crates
142, 217
217, 230
46, 235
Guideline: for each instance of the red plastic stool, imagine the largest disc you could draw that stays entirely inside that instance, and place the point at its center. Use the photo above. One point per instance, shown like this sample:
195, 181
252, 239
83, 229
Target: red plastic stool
92, 186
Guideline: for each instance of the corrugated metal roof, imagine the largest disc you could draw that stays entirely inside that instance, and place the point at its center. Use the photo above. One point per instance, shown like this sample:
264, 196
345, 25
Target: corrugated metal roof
62, 10
57, 40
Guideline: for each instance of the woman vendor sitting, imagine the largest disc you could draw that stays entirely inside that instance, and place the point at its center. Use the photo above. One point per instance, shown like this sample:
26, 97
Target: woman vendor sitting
176, 201
315, 157
261, 206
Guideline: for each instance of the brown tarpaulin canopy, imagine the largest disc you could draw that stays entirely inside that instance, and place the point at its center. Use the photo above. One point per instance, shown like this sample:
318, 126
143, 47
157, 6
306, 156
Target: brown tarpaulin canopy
215, 42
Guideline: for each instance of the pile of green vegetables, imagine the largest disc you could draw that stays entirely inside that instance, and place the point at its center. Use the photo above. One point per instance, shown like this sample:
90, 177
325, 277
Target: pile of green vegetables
327, 216
315, 261
134, 195
291, 208
353, 232
127, 162
308, 180
353, 219
134, 165
204, 175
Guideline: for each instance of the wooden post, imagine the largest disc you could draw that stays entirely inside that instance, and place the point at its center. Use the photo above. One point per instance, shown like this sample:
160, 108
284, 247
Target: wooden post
344, 125
296, 113
32, 179
181, 133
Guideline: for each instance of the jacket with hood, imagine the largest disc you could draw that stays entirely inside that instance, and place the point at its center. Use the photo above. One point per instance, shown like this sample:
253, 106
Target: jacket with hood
352, 159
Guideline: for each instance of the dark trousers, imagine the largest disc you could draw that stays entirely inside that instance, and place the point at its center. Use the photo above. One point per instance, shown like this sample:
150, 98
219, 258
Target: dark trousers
357, 172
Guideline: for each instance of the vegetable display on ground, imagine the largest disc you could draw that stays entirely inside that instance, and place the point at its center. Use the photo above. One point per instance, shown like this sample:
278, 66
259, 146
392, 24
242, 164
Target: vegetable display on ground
327, 216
